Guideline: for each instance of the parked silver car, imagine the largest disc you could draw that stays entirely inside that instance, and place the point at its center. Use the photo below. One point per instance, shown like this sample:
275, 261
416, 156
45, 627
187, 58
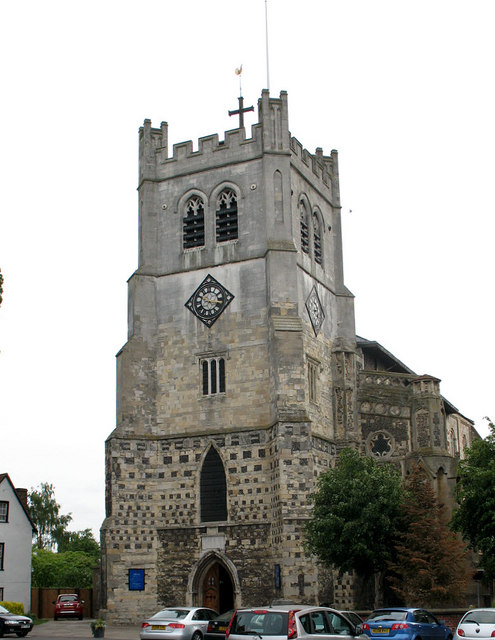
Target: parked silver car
476, 623
289, 622
177, 623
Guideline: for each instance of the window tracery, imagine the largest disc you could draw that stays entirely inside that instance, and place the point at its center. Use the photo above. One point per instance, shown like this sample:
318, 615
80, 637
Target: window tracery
317, 238
380, 444
194, 223
304, 226
226, 216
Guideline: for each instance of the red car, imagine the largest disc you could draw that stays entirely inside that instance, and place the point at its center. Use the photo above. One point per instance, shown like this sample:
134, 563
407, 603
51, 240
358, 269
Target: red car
68, 605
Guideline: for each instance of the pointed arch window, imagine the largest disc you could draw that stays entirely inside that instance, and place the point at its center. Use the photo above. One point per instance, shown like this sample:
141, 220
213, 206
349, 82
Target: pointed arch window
226, 216
317, 238
303, 218
194, 223
213, 490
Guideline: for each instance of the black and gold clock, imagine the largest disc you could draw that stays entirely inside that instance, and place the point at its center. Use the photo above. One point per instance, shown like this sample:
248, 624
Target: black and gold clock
209, 300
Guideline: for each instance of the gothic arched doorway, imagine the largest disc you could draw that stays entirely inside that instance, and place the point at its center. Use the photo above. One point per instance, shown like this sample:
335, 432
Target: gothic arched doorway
217, 589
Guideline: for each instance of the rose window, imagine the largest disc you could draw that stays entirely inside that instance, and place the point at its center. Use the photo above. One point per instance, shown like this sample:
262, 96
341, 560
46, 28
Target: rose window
381, 444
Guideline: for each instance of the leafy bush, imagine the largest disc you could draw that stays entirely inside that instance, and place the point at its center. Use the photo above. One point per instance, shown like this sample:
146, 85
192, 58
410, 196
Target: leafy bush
14, 607
72, 569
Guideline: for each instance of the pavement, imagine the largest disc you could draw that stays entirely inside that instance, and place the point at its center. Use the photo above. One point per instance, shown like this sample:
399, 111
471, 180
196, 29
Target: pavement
80, 630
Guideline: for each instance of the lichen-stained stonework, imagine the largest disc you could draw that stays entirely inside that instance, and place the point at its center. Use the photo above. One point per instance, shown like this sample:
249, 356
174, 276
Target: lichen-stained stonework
267, 392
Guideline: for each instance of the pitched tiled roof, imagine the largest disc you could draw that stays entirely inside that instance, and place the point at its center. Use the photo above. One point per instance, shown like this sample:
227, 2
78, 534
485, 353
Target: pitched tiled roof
5, 476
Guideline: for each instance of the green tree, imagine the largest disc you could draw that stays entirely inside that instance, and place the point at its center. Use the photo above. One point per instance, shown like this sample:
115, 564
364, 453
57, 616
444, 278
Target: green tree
431, 562
78, 541
475, 492
45, 513
72, 569
354, 519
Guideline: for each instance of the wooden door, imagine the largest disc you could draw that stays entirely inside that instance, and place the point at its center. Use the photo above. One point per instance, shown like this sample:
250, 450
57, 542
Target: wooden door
211, 588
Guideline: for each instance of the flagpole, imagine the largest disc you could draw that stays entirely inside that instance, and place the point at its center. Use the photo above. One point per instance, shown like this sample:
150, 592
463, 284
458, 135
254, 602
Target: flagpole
266, 37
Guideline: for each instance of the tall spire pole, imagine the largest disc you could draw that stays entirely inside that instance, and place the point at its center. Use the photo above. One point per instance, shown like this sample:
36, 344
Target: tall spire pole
266, 38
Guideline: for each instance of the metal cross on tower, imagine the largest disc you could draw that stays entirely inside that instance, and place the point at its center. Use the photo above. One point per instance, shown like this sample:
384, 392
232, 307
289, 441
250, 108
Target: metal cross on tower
241, 111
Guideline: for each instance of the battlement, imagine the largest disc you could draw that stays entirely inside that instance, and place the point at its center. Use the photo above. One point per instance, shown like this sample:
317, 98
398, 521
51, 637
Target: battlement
270, 135
155, 162
323, 167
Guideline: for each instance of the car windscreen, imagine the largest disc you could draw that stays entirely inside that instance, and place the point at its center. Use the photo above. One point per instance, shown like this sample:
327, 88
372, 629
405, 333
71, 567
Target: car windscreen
382, 616
480, 617
171, 614
265, 623
3, 609
68, 599
224, 617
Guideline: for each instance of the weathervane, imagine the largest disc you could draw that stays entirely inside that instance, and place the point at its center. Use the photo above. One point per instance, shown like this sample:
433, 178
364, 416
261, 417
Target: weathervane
241, 110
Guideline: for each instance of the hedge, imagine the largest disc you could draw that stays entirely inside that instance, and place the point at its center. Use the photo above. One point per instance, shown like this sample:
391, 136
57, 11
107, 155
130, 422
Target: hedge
14, 607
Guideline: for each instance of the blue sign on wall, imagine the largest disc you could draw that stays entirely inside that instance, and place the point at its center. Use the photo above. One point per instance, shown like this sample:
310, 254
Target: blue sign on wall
136, 579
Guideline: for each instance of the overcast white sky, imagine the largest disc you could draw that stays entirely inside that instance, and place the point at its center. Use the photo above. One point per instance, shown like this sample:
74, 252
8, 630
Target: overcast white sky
403, 89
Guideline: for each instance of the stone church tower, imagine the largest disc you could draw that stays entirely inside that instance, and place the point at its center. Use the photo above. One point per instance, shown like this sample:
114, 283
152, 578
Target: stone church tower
242, 377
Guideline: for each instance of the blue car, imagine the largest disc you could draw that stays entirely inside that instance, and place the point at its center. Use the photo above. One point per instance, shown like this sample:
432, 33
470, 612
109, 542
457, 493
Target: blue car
403, 623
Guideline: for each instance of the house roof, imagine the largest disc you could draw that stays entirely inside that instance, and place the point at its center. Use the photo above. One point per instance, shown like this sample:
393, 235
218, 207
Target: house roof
5, 476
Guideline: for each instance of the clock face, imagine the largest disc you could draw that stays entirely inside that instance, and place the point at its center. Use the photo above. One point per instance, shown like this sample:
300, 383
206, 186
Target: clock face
209, 300
315, 310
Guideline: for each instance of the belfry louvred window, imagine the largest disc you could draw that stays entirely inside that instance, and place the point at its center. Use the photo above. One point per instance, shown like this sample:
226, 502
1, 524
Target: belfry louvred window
226, 216
194, 223
317, 238
303, 214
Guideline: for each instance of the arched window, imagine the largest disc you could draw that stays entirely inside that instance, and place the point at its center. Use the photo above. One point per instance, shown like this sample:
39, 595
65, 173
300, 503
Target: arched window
226, 217
317, 238
213, 488
303, 217
452, 442
213, 376
194, 223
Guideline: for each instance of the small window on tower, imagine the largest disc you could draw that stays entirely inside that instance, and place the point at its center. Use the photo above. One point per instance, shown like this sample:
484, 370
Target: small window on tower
194, 223
213, 376
226, 217
313, 369
303, 216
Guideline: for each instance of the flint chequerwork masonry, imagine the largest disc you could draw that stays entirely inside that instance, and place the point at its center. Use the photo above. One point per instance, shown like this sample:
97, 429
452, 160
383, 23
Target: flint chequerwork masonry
242, 378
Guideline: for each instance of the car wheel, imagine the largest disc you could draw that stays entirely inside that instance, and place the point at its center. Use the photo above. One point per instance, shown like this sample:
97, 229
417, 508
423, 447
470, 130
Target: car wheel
55, 618
197, 636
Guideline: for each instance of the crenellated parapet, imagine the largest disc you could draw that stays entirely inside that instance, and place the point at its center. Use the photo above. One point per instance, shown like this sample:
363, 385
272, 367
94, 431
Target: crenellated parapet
155, 163
270, 135
322, 168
